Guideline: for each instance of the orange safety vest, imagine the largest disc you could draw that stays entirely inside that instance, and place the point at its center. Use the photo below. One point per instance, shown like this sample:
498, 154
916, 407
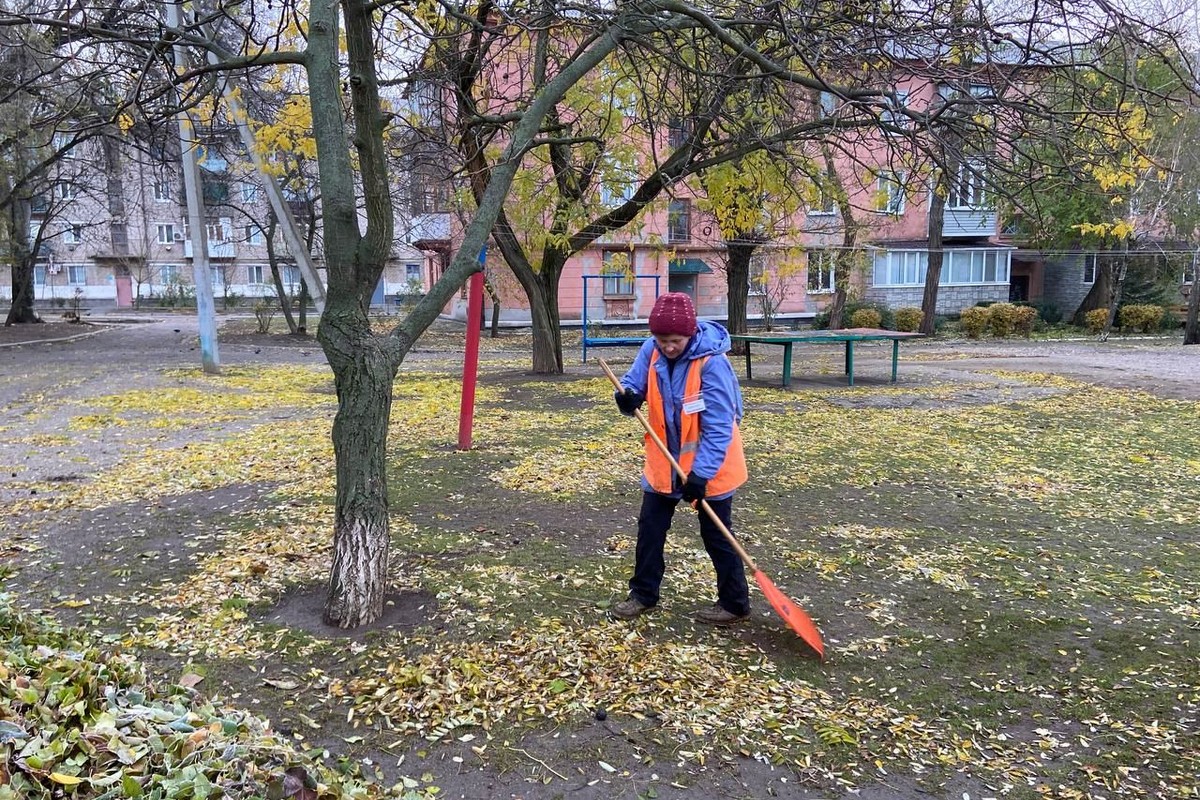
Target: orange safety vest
658, 472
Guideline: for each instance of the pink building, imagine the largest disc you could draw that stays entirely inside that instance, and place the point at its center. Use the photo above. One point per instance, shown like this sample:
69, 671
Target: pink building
677, 246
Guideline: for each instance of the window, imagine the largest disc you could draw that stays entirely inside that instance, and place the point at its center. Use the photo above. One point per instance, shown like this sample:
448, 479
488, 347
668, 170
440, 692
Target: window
77, 274
828, 102
894, 113
39, 274
219, 231
166, 233
120, 238
825, 204
65, 190
890, 199
168, 273
678, 130
214, 188
162, 189
1089, 268
821, 270
967, 189
254, 273
412, 272
290, 274
73, 234
253, 234
758, 274
679, 221
249, 192
908, 267
617, 272
617, 185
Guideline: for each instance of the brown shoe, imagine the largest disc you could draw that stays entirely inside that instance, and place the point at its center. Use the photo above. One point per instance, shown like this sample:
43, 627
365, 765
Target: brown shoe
629, 608
717, 615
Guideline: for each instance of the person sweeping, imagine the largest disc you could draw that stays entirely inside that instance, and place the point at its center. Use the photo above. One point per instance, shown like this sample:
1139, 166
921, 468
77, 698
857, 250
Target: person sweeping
694, 404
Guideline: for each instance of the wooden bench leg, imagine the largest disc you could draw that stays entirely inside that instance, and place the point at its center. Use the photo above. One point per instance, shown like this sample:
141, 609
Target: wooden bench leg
787, 364
748, 374
849, 363
895, 357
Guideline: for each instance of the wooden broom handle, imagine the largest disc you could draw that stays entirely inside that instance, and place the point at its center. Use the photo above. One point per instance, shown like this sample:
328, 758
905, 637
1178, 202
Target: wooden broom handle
679, 471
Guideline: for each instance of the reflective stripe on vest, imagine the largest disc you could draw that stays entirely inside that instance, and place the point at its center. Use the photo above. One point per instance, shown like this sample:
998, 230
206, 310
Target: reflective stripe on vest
658, 472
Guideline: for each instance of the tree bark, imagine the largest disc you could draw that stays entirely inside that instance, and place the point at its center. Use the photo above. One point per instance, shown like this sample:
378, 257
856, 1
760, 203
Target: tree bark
364, 368
1118, 288
21, 311
547, 335
1100, 293
737, 283
937, 255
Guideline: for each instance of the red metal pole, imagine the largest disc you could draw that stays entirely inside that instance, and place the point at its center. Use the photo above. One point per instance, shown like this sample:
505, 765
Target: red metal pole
466, 408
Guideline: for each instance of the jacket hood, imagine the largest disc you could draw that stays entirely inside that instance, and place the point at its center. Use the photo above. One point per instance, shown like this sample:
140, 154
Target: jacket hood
710, 339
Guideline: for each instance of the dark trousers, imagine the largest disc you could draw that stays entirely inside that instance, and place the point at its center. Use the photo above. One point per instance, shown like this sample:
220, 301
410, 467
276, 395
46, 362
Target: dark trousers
653, 523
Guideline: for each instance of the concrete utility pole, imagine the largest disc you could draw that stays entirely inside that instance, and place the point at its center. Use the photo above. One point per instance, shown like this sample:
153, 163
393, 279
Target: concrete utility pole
201, 274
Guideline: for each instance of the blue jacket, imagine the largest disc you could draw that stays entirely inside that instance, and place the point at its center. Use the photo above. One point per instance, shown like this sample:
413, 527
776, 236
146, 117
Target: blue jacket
718, 384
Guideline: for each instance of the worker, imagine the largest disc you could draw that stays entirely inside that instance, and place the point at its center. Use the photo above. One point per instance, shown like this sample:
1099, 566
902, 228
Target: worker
694, 404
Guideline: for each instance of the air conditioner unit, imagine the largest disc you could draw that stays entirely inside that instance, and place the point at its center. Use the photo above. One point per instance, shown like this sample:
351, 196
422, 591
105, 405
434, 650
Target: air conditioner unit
179, 237
54, 269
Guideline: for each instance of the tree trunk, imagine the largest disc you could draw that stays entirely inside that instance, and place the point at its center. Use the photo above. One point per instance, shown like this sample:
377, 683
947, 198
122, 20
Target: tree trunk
364, 369
933, 272
737, 286
302, 312
21, 311
1100, 293
1191, 329
547, 335
842, 263
1118, 289
285, 302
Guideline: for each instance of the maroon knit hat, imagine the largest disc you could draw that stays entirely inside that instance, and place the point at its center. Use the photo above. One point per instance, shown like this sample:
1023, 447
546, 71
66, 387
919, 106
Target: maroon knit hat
673, 315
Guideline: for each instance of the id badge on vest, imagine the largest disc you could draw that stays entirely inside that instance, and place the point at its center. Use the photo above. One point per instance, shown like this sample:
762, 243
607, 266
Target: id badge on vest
693, 404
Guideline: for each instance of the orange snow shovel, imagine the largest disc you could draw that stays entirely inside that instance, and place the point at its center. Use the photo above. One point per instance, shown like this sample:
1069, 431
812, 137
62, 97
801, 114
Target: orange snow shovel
791, 613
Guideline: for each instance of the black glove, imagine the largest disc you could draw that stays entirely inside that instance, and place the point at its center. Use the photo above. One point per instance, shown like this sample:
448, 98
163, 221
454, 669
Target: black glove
694, 488
629, 401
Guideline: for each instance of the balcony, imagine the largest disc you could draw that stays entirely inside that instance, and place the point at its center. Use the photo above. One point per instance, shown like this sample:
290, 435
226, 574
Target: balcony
215, 249
974, 223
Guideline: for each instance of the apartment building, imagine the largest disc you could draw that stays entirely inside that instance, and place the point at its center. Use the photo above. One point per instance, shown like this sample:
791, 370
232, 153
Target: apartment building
677, 246
114, 230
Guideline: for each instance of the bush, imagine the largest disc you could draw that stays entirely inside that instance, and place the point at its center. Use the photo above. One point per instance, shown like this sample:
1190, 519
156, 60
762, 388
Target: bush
886, 319
1096, 319
974, 321
866, 318
1002, 319
1144, 318
1049, 313
1026, 319
908, 319
264, 312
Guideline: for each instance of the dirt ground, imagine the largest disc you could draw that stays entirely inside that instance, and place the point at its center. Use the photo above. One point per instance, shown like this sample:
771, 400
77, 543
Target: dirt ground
122, 548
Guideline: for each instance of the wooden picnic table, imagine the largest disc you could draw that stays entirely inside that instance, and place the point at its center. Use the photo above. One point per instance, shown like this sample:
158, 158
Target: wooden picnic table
847, 335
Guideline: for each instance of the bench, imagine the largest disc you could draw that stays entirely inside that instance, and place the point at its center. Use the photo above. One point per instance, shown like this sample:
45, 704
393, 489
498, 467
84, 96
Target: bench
610, 341
848, 335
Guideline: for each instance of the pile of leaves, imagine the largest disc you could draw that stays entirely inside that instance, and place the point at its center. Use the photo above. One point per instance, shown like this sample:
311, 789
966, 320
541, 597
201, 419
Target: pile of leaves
77, 719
